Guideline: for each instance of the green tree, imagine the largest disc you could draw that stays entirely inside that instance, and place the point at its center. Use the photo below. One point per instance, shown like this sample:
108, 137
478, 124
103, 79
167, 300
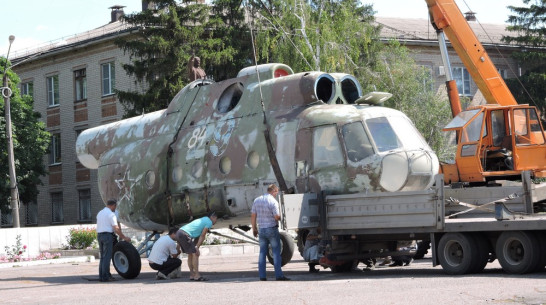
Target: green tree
396, 72
30, 144
528, 23
331, 36
169, 34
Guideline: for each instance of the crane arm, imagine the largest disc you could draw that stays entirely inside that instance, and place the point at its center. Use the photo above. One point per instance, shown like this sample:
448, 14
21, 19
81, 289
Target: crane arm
446, 17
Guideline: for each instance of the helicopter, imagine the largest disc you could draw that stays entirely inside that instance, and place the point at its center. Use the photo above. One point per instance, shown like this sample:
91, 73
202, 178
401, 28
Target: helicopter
218, 145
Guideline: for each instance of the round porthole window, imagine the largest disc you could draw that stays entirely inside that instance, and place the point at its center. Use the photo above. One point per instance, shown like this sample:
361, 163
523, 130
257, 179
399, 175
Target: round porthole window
253, 159
230, 98
225, 165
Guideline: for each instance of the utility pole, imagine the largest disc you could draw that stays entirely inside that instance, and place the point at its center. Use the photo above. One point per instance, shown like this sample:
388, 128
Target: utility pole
14, 193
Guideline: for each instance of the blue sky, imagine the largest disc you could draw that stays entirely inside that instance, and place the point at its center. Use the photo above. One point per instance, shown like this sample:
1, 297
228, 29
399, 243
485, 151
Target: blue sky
38, 22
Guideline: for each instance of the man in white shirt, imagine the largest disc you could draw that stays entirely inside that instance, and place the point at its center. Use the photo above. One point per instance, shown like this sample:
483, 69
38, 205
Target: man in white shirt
107, 224
164, 255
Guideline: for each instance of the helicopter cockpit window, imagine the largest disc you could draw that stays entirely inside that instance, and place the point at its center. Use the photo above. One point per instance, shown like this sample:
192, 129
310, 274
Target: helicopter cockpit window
230, 98
383, 134
357, 143
326, 147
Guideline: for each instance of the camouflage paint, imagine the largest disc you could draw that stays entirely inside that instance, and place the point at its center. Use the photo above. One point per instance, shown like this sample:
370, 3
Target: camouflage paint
207, 150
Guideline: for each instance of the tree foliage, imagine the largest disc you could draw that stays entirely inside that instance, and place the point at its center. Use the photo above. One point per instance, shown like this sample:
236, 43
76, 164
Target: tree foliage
30, 144
331, 36
528, 23
169, 34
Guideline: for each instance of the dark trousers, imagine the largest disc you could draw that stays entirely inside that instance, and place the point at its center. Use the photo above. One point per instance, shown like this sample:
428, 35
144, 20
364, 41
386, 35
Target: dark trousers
168, 266
106, 246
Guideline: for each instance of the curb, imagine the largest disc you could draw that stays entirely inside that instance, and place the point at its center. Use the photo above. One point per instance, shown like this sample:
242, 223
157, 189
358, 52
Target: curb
62, 260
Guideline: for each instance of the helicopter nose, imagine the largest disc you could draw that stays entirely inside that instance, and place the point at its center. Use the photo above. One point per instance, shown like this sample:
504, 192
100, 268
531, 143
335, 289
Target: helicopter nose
394, 171
408, 171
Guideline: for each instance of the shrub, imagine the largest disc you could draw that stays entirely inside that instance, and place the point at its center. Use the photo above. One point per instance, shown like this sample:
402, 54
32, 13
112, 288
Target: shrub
15, 252
81, 238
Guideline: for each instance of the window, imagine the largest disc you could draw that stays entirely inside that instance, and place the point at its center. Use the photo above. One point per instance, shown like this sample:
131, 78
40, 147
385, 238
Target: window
80, 85
357, 142
503, 73
85, 205
108, 78
31, 215
53, 90
383, 134
462, 78
427, 80
327, 151
55, 149
57, 215
27, 89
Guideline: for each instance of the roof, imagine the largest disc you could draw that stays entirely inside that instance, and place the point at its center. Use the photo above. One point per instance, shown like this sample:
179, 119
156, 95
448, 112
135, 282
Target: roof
58, 44
421, 29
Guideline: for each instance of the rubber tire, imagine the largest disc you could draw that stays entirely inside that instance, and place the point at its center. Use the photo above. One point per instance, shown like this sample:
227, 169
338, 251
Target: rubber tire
540, 235
456, 253
422, 249
287, 249
126, 260
481, 257
302, 237
518, 252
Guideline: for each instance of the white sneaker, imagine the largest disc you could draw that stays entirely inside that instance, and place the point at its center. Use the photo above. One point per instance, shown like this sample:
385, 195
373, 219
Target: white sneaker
160, 276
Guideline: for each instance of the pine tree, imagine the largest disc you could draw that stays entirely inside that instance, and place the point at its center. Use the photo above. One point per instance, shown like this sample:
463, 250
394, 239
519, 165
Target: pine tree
529, 25
170, 33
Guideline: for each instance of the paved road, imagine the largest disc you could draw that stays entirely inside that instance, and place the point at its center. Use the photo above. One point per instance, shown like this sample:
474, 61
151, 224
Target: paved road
233, 280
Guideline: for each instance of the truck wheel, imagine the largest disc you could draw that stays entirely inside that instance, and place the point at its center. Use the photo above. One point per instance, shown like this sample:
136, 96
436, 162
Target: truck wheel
456, 253
126, 260
302, 237
422, 249
540, 235
518, 252
287, 249
483, 249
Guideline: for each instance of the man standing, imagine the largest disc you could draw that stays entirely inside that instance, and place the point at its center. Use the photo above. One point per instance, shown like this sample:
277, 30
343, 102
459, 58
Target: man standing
186, 236
164, 255
265, 213
107, 224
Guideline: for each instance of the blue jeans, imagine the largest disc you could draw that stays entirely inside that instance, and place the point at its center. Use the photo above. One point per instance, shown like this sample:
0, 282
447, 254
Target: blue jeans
270, 236
106, 245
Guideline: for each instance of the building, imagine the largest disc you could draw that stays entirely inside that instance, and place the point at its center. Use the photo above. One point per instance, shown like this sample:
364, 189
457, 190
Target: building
419, 36
72, 83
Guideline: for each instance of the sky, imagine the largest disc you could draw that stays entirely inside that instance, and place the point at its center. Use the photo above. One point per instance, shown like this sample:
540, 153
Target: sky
39, 22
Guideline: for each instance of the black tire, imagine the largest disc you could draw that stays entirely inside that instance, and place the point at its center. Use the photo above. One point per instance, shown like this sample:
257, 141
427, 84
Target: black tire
542, 242
126, 260
518, 252
287, 249
456, 253
422, 249
482, 254
302, 237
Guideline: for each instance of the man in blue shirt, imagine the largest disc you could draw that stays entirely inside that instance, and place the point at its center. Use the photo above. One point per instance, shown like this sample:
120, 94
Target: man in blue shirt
186, 236
265, 216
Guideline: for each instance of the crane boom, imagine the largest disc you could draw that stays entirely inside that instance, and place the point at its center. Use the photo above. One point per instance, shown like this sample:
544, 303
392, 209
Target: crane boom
445, 16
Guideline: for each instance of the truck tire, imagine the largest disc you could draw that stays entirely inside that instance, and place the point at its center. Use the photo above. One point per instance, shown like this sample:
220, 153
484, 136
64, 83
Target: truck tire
518, 252
126, 260
456, 253
422, 249
482, 254
287, 249
540, 235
